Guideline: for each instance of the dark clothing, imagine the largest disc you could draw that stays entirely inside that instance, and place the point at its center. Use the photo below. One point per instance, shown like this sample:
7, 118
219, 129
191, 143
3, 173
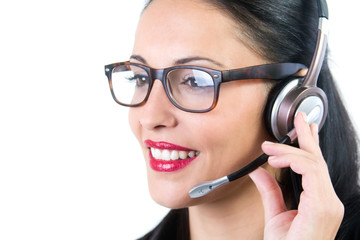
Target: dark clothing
175, 226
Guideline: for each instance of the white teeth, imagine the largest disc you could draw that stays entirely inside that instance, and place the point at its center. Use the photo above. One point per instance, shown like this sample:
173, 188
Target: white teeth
152, 152
165, 155
183, 155
172, 155
156, 153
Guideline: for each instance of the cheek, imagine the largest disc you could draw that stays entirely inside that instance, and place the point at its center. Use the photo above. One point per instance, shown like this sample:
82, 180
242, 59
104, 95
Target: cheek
235, 129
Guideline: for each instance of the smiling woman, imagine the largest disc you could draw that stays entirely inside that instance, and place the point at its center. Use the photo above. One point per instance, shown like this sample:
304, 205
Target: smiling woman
70, 167
199, 122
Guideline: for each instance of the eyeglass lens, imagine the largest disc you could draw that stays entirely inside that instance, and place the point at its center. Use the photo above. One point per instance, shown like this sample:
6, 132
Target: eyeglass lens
191, 89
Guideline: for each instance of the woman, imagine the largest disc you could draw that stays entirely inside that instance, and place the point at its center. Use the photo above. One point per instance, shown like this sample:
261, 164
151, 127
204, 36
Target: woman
183, 147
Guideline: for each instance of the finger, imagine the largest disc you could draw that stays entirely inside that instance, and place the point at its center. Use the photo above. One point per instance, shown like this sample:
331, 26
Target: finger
270, 192
299, 164
305, 135
314, 173
276, 149
315, 132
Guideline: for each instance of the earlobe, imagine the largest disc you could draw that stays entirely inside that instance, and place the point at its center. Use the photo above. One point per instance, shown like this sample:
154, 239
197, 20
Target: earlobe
302, 72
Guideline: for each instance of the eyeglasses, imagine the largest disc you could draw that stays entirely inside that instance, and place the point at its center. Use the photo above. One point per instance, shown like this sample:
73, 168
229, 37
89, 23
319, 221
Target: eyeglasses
189, 88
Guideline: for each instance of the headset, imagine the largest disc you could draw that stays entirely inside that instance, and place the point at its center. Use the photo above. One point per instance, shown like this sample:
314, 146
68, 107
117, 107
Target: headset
286, 100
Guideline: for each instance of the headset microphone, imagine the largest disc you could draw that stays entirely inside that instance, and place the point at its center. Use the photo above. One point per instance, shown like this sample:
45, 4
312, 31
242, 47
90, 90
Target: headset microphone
297, 95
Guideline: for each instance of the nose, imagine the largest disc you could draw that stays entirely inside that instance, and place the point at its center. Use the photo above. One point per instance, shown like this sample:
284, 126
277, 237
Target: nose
158, 112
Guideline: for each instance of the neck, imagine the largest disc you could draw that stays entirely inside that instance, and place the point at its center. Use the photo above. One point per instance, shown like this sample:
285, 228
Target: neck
236, 216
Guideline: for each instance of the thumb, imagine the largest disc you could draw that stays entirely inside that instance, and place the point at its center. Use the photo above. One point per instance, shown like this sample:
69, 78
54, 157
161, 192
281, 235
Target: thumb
270, 192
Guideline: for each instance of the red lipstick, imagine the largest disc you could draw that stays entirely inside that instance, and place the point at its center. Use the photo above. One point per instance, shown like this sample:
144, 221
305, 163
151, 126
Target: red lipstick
165, 145
168, 165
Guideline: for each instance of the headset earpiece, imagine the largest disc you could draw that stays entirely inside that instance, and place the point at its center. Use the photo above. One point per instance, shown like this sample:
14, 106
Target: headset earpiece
289, 98
281, 88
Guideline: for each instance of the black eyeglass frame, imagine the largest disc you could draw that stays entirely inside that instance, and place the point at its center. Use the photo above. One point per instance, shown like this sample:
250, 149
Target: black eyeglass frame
274, 71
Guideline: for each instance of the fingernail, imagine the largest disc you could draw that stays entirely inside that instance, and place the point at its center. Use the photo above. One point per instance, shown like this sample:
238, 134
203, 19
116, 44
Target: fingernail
268, 143
272, 158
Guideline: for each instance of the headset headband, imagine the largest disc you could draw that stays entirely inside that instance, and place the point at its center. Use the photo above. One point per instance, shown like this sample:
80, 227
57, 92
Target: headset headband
321, 44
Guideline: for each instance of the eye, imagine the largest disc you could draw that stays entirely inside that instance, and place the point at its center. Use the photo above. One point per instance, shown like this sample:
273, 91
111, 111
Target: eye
191, 81
194, 81
140, 79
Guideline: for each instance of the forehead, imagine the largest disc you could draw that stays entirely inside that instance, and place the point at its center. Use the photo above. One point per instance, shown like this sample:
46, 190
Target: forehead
172, 29
183, 14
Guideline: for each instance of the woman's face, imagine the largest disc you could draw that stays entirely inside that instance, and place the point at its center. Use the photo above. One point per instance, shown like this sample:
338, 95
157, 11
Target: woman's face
174, 32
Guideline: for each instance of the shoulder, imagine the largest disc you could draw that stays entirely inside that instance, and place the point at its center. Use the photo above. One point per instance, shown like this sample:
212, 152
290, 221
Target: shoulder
173, 226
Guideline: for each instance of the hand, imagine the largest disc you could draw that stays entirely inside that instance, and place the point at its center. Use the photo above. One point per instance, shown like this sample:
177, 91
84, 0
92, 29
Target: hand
320, 211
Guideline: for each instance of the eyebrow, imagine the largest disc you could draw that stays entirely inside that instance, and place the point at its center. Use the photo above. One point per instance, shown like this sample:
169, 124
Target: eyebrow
138, 58
181, 60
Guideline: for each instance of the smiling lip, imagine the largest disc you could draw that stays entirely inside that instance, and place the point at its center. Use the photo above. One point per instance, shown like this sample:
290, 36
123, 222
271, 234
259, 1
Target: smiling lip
165, 145
168, 165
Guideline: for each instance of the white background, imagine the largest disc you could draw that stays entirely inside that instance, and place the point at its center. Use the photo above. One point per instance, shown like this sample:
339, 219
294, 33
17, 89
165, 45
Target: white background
69, 165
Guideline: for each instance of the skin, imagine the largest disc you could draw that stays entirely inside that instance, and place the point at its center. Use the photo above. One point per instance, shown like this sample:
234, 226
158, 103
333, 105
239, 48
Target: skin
171, 32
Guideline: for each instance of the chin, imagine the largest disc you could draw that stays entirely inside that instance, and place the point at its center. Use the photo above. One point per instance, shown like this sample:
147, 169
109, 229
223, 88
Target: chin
176, 195
172, 203
168, 194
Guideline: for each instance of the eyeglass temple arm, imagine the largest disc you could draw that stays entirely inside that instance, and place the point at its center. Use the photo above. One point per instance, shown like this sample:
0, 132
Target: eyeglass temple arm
277, 71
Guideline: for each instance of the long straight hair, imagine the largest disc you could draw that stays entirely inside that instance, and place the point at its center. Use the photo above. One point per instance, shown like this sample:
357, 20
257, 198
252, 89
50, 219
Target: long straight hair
285, 31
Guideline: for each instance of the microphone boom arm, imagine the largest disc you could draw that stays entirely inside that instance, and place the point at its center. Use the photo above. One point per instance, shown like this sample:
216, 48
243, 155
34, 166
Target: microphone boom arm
204, 188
